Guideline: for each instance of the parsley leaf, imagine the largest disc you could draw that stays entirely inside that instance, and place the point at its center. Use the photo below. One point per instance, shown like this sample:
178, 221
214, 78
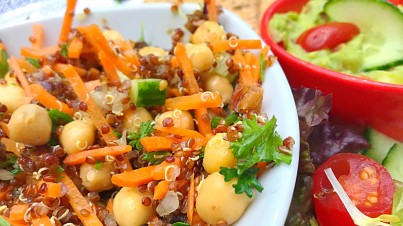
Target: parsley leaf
11, 160
59, 170
33, 61
146, 128
3, 63
16, 171
58, 117
64, 51
98, 165
257, 144
156, 157
180, 224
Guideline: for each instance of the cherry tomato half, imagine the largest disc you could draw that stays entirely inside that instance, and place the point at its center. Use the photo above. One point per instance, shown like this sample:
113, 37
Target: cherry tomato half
396, 2
366, 182
327, 36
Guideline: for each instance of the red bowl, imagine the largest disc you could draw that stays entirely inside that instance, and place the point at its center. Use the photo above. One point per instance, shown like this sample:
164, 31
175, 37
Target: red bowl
355, 100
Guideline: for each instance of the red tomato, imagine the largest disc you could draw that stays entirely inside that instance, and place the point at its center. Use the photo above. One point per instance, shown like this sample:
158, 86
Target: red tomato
327, 36
396, 2
365, 181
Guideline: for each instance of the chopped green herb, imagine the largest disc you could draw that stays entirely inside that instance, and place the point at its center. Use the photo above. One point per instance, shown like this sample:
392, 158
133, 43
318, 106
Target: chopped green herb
262, 67
146, 128
64, 50
156, 157
34, 62
4, 68
11, 160
117, 134
58, 117
257, 144
16, 171
59, 170
232, 118
3, 222
180, 224
215, 121
98, 165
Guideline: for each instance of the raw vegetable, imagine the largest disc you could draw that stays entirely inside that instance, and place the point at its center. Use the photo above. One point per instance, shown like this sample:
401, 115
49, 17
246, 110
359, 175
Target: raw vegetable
389, 52
67, 21
232, 44
38, 36
258, 143
146, 128
100, 153
155, 157
12, 62
380, 145
327, 36
148, 92
48, 100
365, 181
393, 160
3, 63
397, 208
195, 101
151, 144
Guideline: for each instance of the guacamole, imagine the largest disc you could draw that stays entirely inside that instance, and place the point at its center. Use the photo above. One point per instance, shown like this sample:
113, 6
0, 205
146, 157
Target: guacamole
346, 58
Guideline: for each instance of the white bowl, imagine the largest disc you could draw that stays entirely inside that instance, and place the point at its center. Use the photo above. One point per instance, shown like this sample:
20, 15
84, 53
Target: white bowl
271, 206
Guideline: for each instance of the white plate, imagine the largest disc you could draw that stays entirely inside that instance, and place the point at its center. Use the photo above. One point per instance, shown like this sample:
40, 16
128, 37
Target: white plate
271, 206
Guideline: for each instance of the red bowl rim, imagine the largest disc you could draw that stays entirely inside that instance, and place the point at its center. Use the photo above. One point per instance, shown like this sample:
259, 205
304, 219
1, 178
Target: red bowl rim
333, 75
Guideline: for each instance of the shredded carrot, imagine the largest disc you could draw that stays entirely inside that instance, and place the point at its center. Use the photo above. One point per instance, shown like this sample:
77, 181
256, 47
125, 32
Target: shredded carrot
212, 10
4, 127
95, 113
91, 85
59, 67
186, 66
53, 190
203, 121
157, 143
195, 101
180, 131
191, 199
173, 92
161, 189
15, 222
232, 44
197, 221
174, 62
109, 68
131, 57
109, 206
67, 21
250, 68
261, 166
12, 62
41, 221
99, 153
17, 211
104, 46
48, 100
12, 146
159, 172
38, 36
38, 53
79, 203
26, 66
134, 178
75, 47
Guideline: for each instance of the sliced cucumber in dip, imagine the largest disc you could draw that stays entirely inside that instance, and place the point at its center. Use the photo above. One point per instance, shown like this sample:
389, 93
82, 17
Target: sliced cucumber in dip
379, 20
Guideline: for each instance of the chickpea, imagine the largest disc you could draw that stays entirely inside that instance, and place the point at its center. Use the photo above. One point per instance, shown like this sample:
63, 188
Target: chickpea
201, 56
113, 35
97, 179
13, 96
222, 85
128, 209
30, 124
77, 135
208, 31
217, 153
133, 120
158, 52
217, 201
181, 119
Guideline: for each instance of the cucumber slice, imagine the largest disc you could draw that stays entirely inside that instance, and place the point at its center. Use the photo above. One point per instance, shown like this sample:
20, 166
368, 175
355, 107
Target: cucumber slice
393, 162
377, 19
148, 92
380, 145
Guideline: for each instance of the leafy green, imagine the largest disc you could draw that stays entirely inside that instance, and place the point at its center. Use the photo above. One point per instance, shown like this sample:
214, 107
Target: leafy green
146, 128
4, 68
34, 62
16, 171
232, 118
397, 207
58, 117
257, 144
3, 222
59, 170
64, 51
155, 157
215, 121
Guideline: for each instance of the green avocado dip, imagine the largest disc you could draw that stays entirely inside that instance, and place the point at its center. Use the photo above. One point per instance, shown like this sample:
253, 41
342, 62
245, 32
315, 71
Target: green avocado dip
345, 58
